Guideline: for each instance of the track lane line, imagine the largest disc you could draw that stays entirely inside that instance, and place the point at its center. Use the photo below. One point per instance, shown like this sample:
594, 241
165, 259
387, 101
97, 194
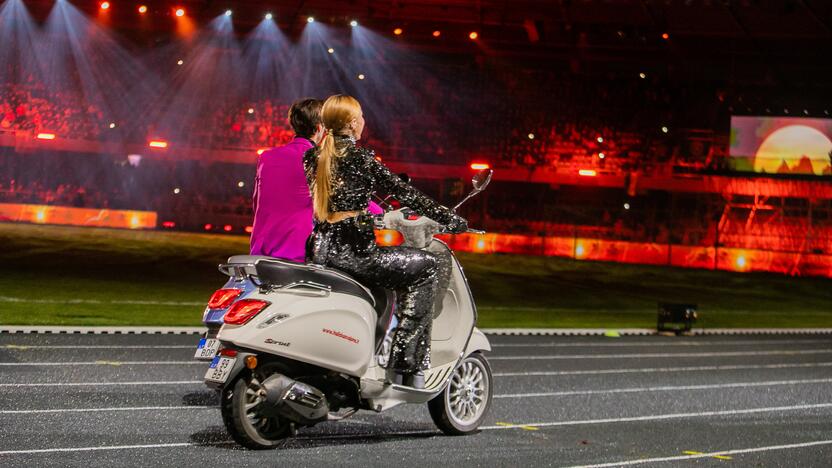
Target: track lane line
707, 455
504, 395
37, 347
496, 374
638, 370
491, 358
94, 449
100, 384
104, 363
516, 396
661, 417
658, 344
517, 426
777, 352
666, 388
102, 410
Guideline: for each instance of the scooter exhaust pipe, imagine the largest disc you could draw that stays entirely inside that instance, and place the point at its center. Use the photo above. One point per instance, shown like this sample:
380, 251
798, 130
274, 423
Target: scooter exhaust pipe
293, 400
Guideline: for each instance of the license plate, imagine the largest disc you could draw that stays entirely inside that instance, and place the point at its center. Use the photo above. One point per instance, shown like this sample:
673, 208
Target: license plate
220, 368
207, 349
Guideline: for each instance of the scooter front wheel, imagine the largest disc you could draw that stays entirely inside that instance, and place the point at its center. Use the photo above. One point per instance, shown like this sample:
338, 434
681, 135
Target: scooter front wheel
462, 406
242, 420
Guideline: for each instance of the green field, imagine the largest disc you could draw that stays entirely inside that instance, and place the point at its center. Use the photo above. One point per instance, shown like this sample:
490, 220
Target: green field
78, 276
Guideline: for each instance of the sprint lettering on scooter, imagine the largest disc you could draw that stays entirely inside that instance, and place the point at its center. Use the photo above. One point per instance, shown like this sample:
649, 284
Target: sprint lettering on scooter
340, 335
279, 343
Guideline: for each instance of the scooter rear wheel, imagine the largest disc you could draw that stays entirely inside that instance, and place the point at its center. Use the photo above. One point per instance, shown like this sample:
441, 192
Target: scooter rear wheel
462, 406
239, 413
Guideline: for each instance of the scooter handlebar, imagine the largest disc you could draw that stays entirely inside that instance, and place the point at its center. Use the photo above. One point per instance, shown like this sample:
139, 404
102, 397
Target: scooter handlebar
396, 220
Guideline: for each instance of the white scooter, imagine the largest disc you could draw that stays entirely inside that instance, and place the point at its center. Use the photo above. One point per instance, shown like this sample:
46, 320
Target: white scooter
302, 344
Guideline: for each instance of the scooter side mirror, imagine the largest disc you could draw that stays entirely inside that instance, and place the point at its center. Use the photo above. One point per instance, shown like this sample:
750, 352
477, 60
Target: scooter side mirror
481, 179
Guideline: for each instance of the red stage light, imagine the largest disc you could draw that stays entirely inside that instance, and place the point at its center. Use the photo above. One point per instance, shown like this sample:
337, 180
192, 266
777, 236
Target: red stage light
157, 144
208, 227
480, 245
249, 229
143, 9
480, 166
587, 172
378, 158
180, 12
398, 31
227, 228
46, 136
261, 151
665, 36
169, 224
105, 5
437, 33
474, 35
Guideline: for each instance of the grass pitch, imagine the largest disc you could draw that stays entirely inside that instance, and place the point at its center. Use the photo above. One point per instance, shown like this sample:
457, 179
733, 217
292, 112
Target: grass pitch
54, 275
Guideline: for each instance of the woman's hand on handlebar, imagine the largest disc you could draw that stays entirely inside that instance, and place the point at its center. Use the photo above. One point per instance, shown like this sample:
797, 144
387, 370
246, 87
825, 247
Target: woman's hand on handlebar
458, 225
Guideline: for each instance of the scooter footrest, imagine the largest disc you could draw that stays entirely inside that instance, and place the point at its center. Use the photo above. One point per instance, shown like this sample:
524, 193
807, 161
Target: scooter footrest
415, 391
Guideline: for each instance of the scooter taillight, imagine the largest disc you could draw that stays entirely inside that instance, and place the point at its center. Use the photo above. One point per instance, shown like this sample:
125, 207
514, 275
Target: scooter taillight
223, 298
243, 311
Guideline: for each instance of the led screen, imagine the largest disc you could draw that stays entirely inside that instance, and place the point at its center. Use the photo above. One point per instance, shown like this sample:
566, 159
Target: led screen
782, 145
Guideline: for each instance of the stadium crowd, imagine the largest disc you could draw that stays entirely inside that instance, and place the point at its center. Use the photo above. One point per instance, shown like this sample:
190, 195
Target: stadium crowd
612, 123
31, 107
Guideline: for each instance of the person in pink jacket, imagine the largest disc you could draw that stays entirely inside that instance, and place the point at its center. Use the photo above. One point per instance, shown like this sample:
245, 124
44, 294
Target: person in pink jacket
283, 217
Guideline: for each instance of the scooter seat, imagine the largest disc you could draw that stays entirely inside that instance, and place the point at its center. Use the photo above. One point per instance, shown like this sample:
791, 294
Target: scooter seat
279, 272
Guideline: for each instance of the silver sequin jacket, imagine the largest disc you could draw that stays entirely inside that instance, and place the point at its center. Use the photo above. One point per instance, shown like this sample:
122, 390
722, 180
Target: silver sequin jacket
357, 174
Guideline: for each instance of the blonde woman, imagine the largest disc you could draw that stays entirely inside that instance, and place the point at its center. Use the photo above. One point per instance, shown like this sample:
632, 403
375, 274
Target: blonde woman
341, 177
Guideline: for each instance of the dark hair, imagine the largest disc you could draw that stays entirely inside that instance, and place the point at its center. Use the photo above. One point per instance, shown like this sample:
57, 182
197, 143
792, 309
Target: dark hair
305, 115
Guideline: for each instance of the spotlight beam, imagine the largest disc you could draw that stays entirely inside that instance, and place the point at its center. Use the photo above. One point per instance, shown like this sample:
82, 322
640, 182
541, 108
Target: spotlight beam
266, 55
84, 58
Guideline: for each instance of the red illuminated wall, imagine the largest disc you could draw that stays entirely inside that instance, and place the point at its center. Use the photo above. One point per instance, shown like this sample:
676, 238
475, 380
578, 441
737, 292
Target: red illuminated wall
731, 259
47, 214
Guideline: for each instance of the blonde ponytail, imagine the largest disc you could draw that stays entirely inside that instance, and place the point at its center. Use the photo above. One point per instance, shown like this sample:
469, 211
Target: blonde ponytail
336, 114
323, 178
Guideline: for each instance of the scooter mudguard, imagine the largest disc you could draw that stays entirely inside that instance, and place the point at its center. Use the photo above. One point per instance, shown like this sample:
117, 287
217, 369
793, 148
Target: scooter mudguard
478, 342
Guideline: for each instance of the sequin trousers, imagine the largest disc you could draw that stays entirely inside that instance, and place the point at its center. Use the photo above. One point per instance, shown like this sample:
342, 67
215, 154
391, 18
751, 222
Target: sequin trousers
349, 246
